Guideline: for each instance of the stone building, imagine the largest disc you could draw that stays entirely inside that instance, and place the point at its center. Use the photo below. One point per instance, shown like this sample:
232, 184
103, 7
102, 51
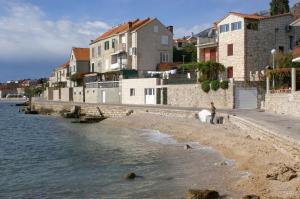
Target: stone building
136, 45
243, 42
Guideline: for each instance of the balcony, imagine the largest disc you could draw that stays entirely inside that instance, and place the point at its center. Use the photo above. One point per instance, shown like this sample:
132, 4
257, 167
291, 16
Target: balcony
205, 42
120, 48
107, 84
119, 65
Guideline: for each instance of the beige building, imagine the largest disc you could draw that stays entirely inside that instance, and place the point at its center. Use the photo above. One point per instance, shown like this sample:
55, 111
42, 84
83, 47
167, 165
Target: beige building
243, 43
136, 45
59, 77
141, 91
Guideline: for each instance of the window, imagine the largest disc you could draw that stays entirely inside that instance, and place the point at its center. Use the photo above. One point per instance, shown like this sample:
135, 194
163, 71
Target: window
132, 92
93, 68
292, 43
230, 72
236, 26
134, 51
164, 57
252, 25
229, 49
164, 40
93, 52
99, 50
224, 28
106, 45
113, 43
179, 44
149, 91
155, 28
281, 49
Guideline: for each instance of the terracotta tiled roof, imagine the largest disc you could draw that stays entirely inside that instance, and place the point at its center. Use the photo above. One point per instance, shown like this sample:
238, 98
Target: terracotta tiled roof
296, 52
81, 54
248, 16
183, 40
135, 24
65, 65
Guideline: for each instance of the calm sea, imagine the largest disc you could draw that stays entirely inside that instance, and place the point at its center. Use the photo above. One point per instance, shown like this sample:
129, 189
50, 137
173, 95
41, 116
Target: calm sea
48, 157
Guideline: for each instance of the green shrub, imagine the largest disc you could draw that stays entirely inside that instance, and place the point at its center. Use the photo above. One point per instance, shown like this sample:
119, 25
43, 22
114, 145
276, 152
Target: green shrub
224, 85
215, 85
205, 86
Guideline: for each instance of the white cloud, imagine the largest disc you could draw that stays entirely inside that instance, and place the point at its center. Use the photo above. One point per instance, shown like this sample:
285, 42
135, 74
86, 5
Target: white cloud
27, 34
183, 31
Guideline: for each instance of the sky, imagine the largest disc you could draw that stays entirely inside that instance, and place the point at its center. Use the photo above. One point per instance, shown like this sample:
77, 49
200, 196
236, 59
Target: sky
37, 35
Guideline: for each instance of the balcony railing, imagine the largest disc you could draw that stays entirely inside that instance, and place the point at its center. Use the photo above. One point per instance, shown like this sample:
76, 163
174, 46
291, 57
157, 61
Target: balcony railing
207, 41
120, 48
108, 84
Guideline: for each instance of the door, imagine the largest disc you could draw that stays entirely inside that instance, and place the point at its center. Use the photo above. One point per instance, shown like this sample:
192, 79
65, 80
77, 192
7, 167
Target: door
103, 97
150, 96
245, 98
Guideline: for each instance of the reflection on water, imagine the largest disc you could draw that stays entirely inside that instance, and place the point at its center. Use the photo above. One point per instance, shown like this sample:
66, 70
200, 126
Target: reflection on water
46, 157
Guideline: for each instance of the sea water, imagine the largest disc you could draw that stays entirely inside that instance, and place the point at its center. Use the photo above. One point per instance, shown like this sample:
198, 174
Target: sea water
50, 157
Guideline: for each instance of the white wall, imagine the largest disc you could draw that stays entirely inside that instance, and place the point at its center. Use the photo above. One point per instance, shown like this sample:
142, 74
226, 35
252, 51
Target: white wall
139, 85
78, 94
56, 95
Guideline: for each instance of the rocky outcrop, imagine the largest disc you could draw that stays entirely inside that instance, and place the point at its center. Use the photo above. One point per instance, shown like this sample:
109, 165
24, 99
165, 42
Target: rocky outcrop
201, 194
282, 173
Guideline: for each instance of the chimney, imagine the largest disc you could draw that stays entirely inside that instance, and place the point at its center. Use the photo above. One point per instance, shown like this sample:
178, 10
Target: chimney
130, 24
171, 29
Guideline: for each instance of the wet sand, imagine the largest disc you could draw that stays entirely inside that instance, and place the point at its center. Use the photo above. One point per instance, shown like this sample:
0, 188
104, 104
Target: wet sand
254, 155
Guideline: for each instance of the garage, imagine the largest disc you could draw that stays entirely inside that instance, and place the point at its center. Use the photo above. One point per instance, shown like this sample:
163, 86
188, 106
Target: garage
245, 97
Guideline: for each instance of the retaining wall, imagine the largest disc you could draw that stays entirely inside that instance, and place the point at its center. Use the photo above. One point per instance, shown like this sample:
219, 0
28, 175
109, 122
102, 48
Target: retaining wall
192, 95
283, 103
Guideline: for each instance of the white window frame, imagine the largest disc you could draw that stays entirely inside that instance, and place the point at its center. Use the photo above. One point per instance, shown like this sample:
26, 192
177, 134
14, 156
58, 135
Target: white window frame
164, 40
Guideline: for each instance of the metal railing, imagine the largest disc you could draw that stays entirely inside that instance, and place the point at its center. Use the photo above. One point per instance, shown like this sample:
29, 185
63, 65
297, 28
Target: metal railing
108, 84
205, 41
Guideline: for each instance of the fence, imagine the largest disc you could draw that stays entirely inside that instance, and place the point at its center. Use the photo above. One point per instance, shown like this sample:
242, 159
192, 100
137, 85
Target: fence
108, 84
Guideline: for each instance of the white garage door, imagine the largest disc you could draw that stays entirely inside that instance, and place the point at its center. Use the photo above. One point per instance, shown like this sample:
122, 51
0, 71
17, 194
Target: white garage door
245, 98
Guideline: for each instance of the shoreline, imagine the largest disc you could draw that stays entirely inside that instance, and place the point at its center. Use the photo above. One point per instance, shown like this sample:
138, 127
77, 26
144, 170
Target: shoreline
254, 155
254, 150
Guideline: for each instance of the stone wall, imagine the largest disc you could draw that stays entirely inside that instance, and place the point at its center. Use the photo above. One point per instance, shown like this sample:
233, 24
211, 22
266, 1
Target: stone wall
110, 110
280, 103
272, 33
192, 95
237, 39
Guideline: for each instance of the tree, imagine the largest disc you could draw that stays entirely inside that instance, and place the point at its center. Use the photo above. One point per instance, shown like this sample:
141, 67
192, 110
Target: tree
279, 7
209, 70
285, 60
189, 51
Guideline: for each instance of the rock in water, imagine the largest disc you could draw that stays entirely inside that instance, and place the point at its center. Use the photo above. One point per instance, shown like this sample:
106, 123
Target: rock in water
187, 147
251, 197
201, 194
130, 176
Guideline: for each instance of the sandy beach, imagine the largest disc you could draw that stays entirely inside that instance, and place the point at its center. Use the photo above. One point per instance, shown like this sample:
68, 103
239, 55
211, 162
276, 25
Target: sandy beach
272, 173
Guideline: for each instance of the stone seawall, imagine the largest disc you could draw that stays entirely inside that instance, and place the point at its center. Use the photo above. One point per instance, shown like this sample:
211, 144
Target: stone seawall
110, 110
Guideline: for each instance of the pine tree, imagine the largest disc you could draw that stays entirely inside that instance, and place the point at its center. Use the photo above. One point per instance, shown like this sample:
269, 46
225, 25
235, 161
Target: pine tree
279, 7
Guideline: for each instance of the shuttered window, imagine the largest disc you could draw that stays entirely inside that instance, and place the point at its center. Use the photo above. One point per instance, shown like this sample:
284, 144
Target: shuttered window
230, 49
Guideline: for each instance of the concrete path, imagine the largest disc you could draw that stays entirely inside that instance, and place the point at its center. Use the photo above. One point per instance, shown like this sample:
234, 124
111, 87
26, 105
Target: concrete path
281, 124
